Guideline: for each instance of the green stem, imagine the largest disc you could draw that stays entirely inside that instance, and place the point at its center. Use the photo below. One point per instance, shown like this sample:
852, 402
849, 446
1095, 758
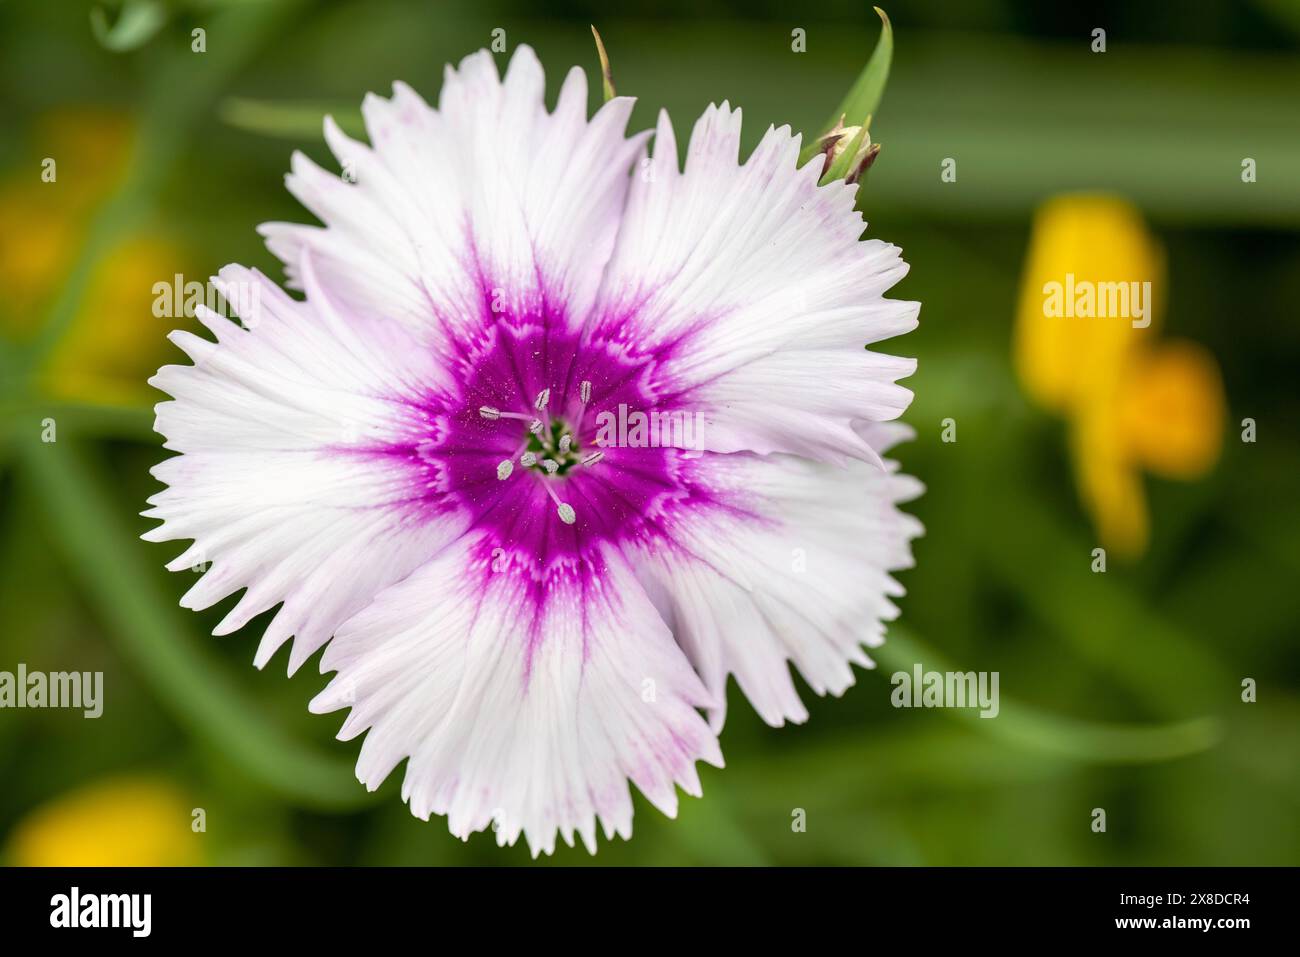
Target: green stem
86, 419
1028, 727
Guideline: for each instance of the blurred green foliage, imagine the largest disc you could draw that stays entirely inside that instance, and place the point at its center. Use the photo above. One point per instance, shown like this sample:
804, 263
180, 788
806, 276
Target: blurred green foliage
1119, 691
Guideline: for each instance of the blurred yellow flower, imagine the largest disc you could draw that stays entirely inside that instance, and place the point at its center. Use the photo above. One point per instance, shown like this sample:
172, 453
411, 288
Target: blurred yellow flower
119, 822
1087, 348
114, 342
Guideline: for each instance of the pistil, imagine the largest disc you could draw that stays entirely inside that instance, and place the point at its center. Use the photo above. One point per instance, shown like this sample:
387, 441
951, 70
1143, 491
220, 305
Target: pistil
549, 446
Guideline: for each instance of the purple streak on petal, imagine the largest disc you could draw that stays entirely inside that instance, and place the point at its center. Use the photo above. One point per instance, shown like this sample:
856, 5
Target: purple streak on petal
445, 454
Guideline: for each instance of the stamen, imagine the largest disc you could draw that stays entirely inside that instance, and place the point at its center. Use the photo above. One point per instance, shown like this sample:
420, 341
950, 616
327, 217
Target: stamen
584, 393
567, 514
504, 469
551, 466
566, 440
528, 459
488, 412
593, 458
534, 426
540, 403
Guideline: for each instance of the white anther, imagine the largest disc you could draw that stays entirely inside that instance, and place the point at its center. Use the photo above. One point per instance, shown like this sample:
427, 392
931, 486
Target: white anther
593, 458
543, 399
535, 426
584, 392
567, 515
488, 412
566, 440
551, 466
504, 469
528, 459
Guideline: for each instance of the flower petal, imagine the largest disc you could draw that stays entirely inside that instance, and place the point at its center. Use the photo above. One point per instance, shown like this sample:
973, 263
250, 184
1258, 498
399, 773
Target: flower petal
278, 483
485, 206
797, 570
748, 287
524, 702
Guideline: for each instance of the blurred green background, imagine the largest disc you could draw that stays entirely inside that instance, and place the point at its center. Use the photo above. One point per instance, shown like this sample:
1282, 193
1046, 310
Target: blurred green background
1119, 691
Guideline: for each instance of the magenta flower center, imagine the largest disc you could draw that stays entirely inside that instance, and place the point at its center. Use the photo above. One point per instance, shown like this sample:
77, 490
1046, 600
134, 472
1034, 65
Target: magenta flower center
521, 448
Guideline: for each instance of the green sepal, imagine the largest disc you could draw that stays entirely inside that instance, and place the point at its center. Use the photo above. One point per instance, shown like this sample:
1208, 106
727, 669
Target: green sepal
606, 74
864, 96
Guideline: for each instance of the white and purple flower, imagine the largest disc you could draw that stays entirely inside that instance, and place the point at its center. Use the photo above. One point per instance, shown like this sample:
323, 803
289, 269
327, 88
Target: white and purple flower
406, 458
